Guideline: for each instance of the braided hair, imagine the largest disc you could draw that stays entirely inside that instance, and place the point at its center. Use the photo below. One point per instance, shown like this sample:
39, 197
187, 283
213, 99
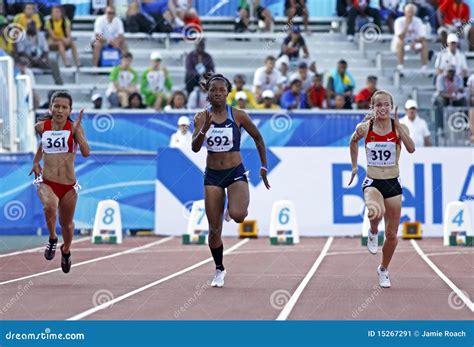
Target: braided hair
209, 77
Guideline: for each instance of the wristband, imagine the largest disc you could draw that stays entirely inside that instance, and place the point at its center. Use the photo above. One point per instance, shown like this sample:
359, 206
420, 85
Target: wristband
200, 131
264, 168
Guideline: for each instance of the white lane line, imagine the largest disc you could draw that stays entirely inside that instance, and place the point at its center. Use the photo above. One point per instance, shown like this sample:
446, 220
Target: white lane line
363, 252
451, 285
150, 285
294, 298
448, 253
32, 250
131, 250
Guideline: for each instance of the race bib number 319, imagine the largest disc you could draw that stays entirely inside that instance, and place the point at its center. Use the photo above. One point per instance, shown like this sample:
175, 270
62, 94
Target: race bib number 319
381, 153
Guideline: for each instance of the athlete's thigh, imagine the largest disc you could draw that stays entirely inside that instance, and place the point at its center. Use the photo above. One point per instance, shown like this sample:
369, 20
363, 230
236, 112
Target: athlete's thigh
67, 206
374, 199
214, 203
393, 209
239, 196
47, 196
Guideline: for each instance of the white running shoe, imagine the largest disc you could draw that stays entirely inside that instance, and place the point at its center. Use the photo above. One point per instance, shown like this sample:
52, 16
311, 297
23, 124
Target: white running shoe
218, 280
227, 216
372, 242
384, 280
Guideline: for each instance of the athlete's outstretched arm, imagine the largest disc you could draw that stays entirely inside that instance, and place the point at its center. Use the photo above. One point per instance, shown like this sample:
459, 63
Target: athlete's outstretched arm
36, 168
248, 125
202, 123
81, 136
404, 133
359, 133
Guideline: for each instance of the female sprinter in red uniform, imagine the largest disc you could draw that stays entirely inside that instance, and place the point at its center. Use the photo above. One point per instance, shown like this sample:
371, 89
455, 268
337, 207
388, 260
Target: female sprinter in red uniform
382, 190
56, 182
219, 128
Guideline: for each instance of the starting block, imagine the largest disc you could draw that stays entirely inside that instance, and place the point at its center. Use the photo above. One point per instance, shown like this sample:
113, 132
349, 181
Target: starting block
198, 226
366, 227
457, 228
283, 224
107, 223
248, 229
411, 230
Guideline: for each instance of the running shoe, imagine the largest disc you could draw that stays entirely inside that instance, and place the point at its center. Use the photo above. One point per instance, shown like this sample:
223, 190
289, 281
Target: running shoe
65, 261
50, 250
227, 216
218, 280
372, 242
384, 280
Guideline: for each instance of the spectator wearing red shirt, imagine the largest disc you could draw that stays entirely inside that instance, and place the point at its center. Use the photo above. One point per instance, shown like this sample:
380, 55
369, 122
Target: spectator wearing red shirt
362, 98
316, 95
454, 17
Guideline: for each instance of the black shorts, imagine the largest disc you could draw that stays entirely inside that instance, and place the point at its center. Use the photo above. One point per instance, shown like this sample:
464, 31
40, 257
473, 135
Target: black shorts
259, 11
388, 188
299, 9
224, 178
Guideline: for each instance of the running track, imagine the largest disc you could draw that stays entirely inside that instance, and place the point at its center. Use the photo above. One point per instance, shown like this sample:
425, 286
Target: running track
159, 278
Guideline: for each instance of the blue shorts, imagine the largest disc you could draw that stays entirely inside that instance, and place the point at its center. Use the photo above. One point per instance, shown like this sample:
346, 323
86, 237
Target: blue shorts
224, 178
154, 7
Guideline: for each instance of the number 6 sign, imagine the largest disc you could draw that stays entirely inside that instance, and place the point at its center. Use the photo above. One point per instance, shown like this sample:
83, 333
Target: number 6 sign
283, 220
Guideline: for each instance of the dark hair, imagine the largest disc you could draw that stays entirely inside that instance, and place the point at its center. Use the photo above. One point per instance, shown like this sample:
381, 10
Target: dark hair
342, 61
208, 78
270, 57
128, 55
63, 20
241, 77
135, 95
178, 92
372, 78
61, 94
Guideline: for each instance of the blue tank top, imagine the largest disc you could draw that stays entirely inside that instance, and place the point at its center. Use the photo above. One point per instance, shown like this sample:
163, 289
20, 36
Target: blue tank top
223, 137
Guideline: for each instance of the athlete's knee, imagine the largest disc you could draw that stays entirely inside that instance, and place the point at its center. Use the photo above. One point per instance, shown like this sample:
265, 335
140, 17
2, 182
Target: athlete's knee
392, 237
238, 216
67, 226
49, 210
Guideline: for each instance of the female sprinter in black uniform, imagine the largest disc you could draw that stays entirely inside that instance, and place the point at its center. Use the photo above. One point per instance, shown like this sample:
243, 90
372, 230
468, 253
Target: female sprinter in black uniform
382, 190
219, 128
56, 182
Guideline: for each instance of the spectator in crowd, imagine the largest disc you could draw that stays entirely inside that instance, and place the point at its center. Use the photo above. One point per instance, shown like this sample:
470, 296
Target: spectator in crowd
136, 21
418, 127
267, 78
97, 101
297, 8
409, 36
294, 98
6, 44
449, 92
108, 30
339, 102
316, 95
362, 98
427, 11
198, 98
23, 69
198, 62
293, 43
123, 82
179, 10
160, 12
361, 8
99, 7
264, 16
29, 14
340, 81
470, 86
268, 101
135, 101
35, 48
59, 33
239, 83
178, 101
182, 138
304, 75
156, 83
241, 99
389, 11
282, 65
454, 17
451, 56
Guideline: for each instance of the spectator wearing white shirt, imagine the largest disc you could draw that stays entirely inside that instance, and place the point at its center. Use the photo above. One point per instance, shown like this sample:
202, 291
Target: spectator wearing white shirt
267, 78
198, 98
182, 138
417, 126
304, 75
409, 35
451, 56
108, 30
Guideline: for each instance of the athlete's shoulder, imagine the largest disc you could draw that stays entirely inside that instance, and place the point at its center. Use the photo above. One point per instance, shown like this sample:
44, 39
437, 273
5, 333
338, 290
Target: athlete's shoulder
39, 126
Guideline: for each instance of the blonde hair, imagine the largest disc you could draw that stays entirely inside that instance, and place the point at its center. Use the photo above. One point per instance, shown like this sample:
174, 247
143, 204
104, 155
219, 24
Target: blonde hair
371, 115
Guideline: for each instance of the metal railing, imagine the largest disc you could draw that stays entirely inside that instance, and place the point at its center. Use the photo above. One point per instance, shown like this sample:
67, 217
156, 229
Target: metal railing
8, 104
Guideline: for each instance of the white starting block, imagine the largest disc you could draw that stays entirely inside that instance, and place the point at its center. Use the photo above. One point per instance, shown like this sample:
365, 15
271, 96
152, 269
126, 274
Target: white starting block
198, 226
107, 223
283, 223
457, 227
366, 227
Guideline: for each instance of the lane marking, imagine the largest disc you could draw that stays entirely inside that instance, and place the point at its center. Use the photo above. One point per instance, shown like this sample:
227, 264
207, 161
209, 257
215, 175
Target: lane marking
294, 298
32, 250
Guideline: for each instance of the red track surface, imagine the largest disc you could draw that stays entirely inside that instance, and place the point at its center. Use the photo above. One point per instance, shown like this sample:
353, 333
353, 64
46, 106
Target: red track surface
260, 280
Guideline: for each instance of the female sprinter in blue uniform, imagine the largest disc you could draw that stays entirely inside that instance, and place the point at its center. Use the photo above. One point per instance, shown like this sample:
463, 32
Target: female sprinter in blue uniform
382, 190
56, 183
218, 127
